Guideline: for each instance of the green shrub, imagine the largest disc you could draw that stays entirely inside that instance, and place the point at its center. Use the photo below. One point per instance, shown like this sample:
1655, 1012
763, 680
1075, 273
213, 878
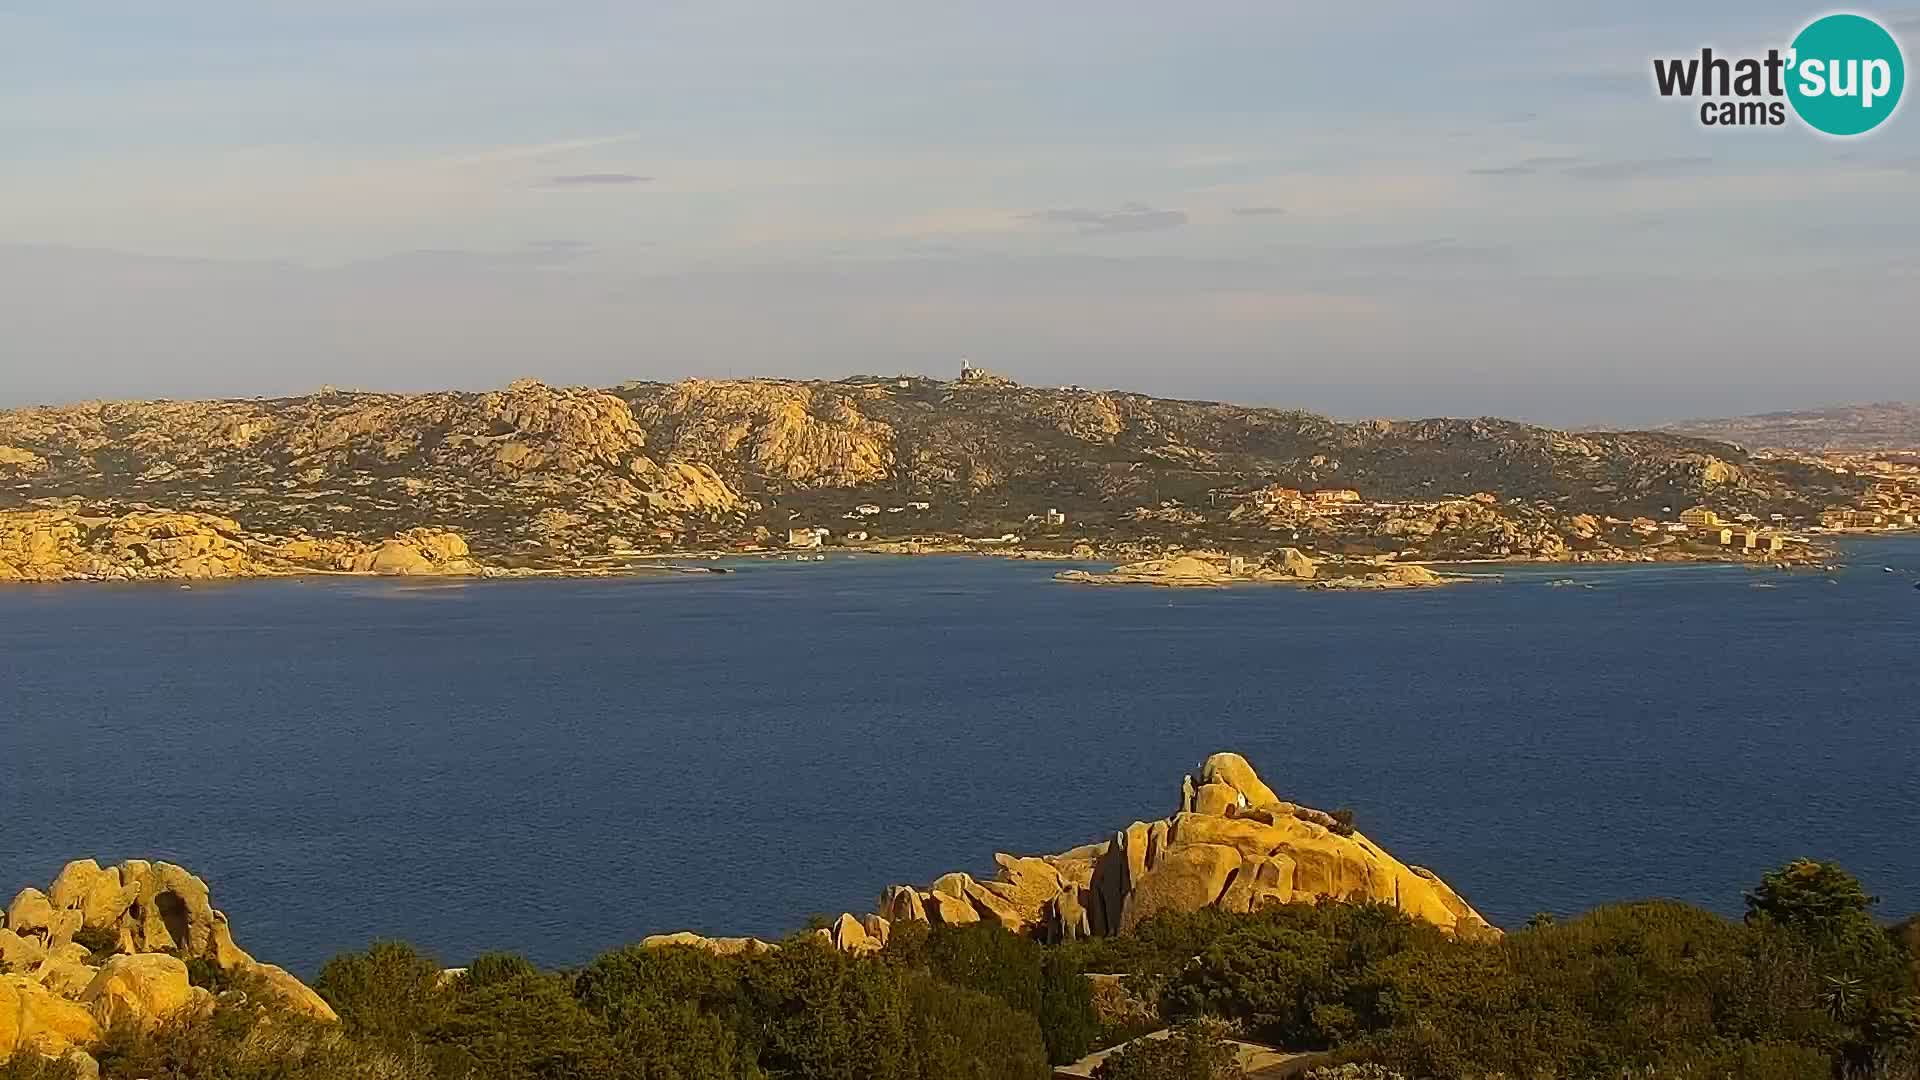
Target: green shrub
822, 1013
1192, 1051
490, 968
961, 1034
986, 958
29, 1066
1353, 1071
523, 1027
651, 979
1811, 897
391, 992
679, 1042
248, 1042
1067, 1018
99, 941
1342, 822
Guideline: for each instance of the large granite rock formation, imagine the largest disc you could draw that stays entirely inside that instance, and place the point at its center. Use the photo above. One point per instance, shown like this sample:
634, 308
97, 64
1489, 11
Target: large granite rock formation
80, 542
106, 946
1233, 845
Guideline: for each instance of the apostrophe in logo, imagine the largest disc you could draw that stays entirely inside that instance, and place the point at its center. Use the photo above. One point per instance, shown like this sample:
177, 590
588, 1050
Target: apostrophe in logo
1843, 75
1846, 74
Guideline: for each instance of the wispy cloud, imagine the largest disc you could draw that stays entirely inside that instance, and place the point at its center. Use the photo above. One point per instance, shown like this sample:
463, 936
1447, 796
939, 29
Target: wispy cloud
539, 255
1528, 166
1637, 167
1129, 218
596, 179
532, 151
1258, 211
1581, 168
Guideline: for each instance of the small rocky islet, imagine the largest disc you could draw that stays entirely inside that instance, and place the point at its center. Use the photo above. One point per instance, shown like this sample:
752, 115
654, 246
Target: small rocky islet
135, 944
1287, 566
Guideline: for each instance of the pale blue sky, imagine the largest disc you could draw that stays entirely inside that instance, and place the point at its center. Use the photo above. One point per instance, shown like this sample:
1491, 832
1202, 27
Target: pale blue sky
1390, 208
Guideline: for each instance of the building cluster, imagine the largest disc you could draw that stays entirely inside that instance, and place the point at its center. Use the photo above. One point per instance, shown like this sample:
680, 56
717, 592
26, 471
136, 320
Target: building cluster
1743, 531
1891, 502
1277, 497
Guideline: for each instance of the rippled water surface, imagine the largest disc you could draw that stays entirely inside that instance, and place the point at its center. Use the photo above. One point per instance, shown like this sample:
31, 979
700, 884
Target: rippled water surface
558, 767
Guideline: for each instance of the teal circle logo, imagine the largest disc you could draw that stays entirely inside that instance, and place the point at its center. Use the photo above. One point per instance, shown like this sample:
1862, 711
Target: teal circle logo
1846, 75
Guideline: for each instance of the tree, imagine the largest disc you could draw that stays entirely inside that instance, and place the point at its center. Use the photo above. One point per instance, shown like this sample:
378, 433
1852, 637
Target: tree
390, 992
986, 958
821, 1013
1067, 1017
525, 1027
961, 1034
1812, 897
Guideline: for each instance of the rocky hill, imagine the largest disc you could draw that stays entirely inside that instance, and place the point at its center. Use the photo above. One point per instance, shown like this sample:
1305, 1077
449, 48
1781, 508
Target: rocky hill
543, 476
1889, 425
1233, 845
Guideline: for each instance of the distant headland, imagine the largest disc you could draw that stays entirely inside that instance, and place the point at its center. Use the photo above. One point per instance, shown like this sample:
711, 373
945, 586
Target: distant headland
542, 479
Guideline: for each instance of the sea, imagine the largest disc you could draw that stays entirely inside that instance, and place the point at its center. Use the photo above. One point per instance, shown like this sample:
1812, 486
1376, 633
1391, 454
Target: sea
559, 767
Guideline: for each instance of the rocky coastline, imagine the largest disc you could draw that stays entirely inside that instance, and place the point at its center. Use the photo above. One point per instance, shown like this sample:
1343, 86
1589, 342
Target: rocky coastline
1285, 567
538, 479
140, 943
134, 944
1232, 844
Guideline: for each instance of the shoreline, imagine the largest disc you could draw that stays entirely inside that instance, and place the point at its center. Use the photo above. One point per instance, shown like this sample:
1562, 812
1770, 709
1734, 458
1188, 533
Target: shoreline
626, 564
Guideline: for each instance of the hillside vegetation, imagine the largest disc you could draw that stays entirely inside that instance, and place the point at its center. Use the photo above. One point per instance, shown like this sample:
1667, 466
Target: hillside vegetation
1807, 986
550, 476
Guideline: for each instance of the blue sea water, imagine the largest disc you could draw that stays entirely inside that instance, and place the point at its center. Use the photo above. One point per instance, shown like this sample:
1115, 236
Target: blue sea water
560, 767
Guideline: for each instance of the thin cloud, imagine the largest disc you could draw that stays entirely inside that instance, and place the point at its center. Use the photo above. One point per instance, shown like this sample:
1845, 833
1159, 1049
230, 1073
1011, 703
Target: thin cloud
1634, 168
528, 151
539, 255
596, 179
1258, 211
1581, 168
1528, 166
1129, 218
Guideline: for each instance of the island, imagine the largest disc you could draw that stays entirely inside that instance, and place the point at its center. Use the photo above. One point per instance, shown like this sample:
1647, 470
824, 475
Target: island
535, 479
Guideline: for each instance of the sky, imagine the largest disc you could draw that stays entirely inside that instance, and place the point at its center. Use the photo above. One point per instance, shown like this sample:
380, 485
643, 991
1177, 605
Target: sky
1382, 209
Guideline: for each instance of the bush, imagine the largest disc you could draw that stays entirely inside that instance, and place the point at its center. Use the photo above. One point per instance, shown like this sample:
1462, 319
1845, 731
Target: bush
1342, 822
1045, 984
389, 993
1192, 1051
1353, 1071
1067, 1019
1811, 897
29, 1066
650, 980
986, 958
523, 1027
98, 941
822, 1013
491, 968
961, 1034
250, 1043
679, 1042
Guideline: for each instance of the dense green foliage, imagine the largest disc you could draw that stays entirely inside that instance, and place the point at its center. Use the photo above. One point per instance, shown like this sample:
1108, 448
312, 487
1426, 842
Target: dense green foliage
1042, 982
1191, 1051
1807, 986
